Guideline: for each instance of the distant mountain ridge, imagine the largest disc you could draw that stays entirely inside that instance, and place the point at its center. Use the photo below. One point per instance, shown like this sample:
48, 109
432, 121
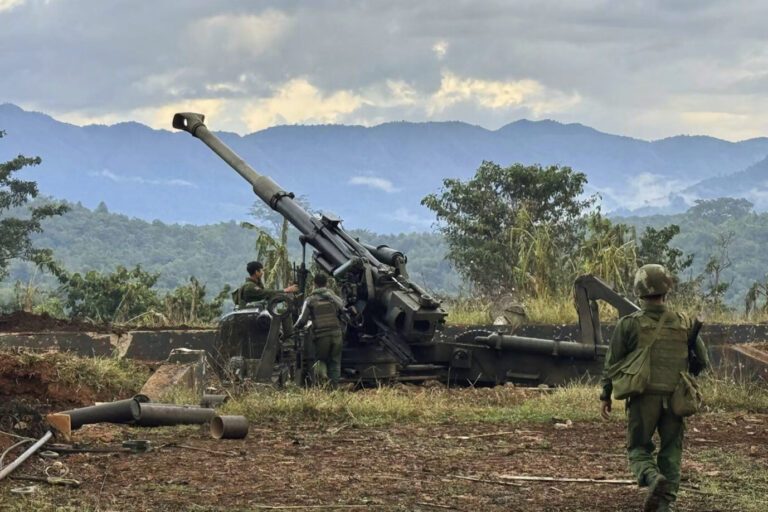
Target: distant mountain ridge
373, 177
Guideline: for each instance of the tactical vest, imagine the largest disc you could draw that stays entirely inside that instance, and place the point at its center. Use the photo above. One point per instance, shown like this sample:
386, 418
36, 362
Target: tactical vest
324, 312
669, 354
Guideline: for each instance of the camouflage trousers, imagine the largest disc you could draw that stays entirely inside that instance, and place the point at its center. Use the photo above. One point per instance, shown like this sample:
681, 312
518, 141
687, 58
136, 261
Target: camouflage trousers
326, 352
645, 415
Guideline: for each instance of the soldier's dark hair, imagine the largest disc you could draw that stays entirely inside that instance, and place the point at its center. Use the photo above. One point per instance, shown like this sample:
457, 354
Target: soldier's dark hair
253, 267
320, 280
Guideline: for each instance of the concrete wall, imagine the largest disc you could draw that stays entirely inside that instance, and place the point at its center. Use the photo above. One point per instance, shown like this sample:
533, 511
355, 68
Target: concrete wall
156, 345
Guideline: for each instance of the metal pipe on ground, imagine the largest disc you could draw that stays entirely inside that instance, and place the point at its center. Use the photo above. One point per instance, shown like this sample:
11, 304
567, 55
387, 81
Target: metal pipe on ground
229, 427
113, 412
7, 470
157, 415
213, 401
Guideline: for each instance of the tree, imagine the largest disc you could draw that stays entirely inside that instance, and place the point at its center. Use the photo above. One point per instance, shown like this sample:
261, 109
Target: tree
653, 247
716, 266
609, 250
187, 304
719, 210
481, 219
117, 297
15, 232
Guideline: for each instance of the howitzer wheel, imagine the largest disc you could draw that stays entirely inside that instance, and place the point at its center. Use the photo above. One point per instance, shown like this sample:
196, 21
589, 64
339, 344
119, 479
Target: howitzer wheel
469, 336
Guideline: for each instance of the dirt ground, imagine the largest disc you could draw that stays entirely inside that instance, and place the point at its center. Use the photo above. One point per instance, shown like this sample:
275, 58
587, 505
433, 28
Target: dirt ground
397, 468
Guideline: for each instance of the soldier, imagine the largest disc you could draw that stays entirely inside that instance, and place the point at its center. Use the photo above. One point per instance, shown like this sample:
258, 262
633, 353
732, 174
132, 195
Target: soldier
324, 308
253, 289
667, 333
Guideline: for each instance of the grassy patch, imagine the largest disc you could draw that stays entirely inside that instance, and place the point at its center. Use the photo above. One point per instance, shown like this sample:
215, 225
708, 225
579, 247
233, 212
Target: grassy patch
387, 405
503, 404
740, 483
725, 395
121, 376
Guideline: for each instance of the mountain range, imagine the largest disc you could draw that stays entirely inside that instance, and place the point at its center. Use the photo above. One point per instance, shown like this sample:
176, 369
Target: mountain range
373, 177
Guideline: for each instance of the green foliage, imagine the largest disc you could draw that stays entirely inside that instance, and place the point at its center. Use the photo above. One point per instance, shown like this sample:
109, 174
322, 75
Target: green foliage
15, 232
484, 219
528, 231
119, 296
186, 305
610, 251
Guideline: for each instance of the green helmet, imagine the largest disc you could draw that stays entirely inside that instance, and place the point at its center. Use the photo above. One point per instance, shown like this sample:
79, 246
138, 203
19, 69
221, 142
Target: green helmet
652, 280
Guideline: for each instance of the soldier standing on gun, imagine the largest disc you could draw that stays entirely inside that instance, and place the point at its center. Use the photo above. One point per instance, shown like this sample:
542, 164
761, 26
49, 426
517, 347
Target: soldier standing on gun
667, 335
324, 308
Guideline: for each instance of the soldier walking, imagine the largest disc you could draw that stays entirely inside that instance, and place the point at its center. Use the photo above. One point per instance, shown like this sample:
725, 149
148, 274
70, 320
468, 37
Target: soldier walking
324, 309
666, 336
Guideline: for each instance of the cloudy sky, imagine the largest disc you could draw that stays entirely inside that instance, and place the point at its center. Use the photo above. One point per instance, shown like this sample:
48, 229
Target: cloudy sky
648, 69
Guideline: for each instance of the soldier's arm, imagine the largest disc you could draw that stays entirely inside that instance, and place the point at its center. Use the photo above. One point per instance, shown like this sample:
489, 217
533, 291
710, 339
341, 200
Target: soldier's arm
303, 317
617, 350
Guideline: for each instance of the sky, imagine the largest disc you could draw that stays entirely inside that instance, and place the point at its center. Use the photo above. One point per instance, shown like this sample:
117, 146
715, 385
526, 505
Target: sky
643, 68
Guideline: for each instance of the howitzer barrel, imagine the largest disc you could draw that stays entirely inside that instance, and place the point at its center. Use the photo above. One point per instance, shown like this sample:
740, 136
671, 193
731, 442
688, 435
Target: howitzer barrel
267, 190
542, 346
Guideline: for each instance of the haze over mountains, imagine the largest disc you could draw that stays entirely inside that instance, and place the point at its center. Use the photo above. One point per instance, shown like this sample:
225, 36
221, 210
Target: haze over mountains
373, 177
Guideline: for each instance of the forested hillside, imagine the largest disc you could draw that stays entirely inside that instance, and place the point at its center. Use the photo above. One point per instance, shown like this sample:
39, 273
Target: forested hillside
725, 232
215, 254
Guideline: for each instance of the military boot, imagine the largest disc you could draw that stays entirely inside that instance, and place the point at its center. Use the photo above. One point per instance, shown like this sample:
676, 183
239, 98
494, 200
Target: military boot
656, 497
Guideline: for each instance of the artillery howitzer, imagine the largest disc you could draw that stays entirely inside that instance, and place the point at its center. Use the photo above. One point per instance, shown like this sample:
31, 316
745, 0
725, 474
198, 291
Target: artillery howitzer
394, 336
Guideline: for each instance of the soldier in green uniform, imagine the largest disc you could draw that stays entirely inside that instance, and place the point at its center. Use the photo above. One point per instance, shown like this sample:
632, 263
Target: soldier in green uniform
253, 290
325, 309
667, 333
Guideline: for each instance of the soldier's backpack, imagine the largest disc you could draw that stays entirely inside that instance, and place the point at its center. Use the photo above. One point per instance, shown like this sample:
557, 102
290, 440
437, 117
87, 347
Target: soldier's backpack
630, 376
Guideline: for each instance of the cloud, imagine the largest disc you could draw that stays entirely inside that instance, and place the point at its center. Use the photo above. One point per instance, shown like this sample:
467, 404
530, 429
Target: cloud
244, 33
440, 48
298, 101
414, 221
648, 190
622, 67
496, 94
7, 5
117, 178
374, 182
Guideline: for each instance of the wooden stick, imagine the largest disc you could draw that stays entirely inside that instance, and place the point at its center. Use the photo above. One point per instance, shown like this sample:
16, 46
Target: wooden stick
436, 505
481, 435
482, 480
304, 507
573, 480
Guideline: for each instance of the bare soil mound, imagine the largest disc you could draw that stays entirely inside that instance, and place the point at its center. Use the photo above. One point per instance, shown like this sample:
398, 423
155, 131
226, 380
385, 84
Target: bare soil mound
21, 321
38, 384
